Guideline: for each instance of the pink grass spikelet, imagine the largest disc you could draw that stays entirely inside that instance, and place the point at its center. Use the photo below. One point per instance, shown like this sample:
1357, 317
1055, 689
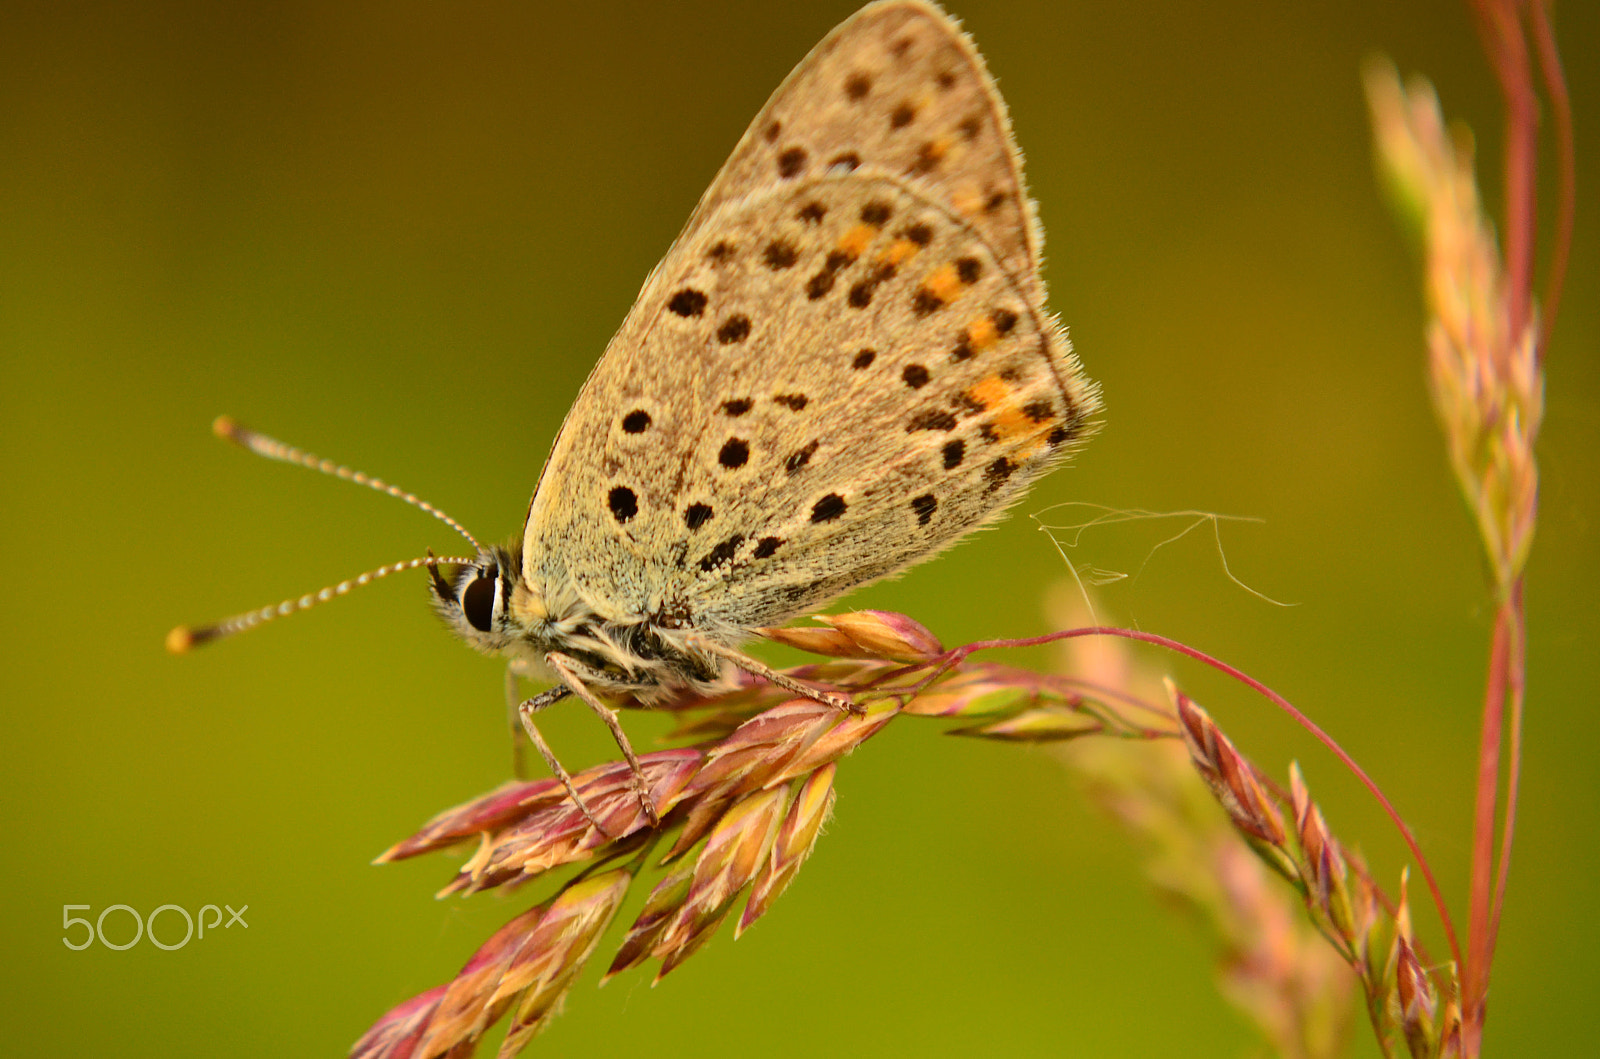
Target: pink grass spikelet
1231, 778
802, 826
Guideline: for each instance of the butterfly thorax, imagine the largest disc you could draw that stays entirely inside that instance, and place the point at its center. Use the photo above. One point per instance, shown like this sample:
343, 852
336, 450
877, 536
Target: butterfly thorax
492, 606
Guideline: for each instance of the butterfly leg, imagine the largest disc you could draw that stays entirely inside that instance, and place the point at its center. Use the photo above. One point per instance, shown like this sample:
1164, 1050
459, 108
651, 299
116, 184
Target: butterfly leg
519, 737
525, 711
568, 669
755, 667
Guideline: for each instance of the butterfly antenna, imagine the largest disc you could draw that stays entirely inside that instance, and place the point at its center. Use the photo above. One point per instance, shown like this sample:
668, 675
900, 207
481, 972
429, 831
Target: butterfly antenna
182, 638
273, 449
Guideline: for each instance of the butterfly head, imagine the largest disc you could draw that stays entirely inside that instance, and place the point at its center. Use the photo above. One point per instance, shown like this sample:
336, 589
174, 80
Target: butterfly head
476, 600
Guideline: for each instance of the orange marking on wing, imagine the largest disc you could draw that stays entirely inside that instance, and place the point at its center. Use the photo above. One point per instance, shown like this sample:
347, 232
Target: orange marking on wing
989, 392
1011, 423
943, 283
967, 201
1038, 424
898, 252
981, 334
855, 241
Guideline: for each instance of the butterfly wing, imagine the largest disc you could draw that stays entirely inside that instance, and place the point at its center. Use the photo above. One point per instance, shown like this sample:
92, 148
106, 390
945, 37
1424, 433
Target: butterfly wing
843, 365
897, 87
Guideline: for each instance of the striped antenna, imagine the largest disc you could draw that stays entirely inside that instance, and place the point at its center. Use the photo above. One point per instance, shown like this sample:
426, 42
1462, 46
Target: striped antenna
273, 449
182, 638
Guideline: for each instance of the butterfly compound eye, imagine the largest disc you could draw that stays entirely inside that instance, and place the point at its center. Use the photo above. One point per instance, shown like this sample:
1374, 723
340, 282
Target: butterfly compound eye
477, 600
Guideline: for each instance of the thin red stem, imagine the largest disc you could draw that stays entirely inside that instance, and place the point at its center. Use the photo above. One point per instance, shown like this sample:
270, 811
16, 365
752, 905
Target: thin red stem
1508, 827
1475, 972
1555, 86
1282, 703
1500, 23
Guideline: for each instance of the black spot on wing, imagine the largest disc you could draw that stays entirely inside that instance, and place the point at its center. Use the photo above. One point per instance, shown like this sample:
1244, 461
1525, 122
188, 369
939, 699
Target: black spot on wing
828, 508
780, 254
799, 458
791, 162
688, 302
931, 419
623, 503
722, 553
926, 301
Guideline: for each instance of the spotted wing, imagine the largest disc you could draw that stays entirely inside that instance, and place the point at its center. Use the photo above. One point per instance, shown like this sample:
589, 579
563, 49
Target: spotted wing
899, 88
836, 371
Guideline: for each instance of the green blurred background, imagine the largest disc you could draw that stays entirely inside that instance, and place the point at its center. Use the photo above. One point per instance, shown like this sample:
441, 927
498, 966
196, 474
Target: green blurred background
400, 234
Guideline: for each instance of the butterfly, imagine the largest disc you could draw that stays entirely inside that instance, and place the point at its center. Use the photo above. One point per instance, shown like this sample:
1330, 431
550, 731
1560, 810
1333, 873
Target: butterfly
843, 365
